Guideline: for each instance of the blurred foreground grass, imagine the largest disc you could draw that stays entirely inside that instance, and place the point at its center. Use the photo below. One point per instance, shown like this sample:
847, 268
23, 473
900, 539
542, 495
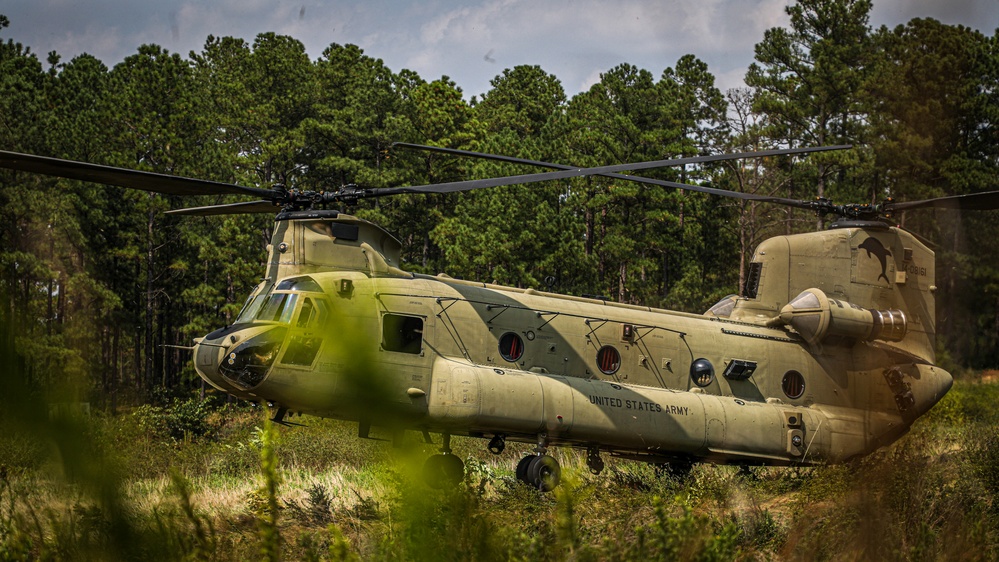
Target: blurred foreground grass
196, 481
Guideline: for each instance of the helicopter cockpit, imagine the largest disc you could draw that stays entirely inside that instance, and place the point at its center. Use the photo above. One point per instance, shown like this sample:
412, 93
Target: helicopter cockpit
280, 303
279, 323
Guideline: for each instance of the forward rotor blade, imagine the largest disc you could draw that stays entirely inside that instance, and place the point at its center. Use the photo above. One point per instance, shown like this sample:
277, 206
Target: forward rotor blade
123, 177
638, 179
245, 208
452, 187
985, 201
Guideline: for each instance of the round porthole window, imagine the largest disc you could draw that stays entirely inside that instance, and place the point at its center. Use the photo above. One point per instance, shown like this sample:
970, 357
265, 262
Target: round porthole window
702, 372
608, 360
511, 347
793, 384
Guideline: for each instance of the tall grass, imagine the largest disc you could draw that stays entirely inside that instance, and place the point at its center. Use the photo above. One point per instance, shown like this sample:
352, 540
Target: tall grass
131, 487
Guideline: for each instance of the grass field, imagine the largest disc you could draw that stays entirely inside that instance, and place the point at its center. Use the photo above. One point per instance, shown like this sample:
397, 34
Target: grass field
194, 481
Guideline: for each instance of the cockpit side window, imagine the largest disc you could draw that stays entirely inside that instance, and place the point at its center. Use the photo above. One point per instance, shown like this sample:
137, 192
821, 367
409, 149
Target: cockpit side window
314, 313
307, 315
307, 339
322, 313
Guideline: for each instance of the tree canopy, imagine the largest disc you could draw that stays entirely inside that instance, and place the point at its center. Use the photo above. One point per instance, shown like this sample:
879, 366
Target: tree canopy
98, 279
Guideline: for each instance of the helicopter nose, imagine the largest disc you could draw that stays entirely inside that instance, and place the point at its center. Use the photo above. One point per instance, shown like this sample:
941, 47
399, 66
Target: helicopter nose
207, 354
247, 363
235, 360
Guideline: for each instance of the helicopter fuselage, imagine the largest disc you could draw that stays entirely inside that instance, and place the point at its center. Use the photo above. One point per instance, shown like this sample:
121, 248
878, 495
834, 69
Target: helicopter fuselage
337, 329
828, 354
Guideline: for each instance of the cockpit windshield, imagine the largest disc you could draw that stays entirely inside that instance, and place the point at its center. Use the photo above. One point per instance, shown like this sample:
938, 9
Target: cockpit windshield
252, 304
279, 307
281, 303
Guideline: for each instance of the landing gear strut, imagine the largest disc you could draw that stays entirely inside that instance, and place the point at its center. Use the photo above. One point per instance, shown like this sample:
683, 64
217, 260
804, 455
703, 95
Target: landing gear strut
593, 460
497, 444
444, 470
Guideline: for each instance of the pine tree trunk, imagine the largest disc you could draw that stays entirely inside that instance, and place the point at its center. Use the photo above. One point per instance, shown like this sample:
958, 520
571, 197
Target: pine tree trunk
148, 329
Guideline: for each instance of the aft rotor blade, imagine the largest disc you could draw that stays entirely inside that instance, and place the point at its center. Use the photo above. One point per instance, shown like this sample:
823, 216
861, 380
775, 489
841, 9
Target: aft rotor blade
638, 179
124, 177
245, 208
452, 187
985, 201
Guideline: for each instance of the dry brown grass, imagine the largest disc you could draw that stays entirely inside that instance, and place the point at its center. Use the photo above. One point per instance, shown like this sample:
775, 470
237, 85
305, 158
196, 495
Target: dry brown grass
927, 497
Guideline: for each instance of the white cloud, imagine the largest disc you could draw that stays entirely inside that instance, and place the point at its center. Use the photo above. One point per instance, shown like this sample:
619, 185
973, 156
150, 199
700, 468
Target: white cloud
590, 80
575, 40
437, 29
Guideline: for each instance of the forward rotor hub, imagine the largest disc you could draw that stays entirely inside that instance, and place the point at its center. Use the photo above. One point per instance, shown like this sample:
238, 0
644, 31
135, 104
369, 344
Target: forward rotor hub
852, 212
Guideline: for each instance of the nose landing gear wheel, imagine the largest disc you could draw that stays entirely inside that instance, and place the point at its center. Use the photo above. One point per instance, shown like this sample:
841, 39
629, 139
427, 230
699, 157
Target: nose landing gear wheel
539, 471
443, 471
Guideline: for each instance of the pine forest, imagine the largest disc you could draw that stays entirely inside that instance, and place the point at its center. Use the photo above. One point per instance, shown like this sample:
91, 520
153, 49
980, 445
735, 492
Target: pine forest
100, 288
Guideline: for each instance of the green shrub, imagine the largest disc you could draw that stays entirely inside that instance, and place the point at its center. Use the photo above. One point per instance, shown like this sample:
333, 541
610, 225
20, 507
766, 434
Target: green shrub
181, 420
983, 456
760, 530
686, 537
316, 509
20, 452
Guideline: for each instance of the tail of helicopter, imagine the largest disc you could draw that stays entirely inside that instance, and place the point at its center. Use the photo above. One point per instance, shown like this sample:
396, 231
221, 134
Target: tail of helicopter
870, 282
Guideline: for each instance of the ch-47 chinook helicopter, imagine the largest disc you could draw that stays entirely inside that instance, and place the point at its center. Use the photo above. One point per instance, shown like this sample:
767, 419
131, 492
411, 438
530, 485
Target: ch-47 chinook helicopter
828, 354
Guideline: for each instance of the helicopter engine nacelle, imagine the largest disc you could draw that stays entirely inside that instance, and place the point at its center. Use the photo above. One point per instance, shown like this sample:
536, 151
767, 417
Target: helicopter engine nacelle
816, 317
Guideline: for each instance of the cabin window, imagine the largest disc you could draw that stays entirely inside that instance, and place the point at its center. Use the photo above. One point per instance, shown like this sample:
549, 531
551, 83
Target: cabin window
511, 347
608, 360
702, 372
793, 384
402, 333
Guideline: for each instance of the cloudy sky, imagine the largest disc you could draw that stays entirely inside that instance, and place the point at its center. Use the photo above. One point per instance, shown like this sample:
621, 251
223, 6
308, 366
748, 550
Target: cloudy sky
470, 41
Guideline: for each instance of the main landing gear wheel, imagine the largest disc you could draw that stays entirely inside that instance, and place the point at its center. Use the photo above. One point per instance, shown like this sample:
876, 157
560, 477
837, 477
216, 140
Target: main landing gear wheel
443, 471
522, 467
539, 471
